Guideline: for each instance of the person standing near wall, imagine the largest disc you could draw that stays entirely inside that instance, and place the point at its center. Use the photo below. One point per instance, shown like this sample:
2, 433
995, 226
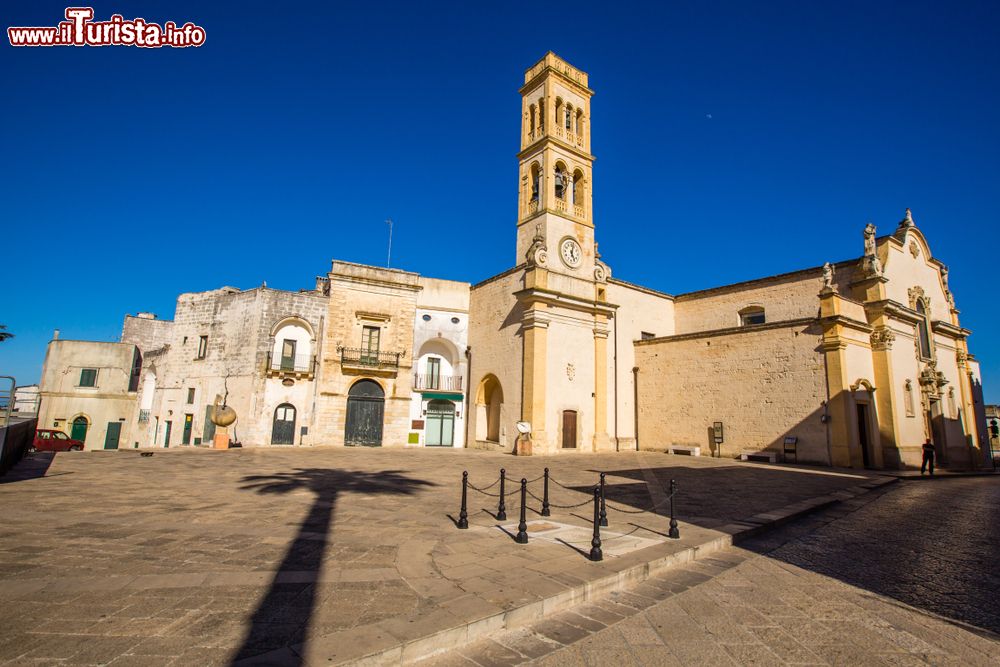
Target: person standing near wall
928, 449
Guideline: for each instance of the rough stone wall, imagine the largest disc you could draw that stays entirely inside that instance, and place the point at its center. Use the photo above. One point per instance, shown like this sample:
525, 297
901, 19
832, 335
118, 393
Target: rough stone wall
787, 297
146, 333
763, 383
238, 325
497, 348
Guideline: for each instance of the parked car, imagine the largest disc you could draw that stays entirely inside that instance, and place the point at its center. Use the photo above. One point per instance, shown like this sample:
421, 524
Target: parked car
50, 440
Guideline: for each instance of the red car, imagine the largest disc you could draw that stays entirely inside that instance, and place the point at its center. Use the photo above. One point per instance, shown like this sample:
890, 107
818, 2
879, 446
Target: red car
49, 440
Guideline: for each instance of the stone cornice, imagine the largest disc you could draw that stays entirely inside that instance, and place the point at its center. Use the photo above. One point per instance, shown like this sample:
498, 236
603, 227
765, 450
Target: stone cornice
848, 322
639, 288
553, 298
729, 331
532, 148
500, 276
950, 330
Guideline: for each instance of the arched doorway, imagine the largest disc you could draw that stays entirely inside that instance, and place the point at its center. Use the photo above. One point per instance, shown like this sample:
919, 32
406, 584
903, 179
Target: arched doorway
79, 430
283, 429
440, 424
489, 407
365, 408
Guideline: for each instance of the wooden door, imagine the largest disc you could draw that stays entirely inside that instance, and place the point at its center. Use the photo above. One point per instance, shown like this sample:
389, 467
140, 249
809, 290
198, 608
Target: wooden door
569, 429
79, 430
365, 411
283, 429
114, 433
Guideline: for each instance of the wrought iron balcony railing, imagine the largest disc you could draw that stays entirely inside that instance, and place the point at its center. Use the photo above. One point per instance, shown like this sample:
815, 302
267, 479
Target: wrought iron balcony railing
143, 416
351, 356
438, 383
301, 365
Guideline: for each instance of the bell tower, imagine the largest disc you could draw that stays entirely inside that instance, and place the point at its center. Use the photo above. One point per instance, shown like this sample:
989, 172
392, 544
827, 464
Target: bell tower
554, 203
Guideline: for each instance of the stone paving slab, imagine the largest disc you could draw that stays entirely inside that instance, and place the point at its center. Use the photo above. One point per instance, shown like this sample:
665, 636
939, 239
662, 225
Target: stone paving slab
331, 555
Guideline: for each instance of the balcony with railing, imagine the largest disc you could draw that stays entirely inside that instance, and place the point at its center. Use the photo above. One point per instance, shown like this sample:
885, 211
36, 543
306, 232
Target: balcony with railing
448, 384
301, 366
143, 416
369, 361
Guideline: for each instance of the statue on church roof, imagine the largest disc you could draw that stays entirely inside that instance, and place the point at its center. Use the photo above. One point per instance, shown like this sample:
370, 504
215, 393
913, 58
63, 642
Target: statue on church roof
871, 267
828, 276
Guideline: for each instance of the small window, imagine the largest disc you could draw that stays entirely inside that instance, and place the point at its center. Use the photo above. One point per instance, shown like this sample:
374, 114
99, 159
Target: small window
923, 335
752, 315
190, 395
647, 336
202, 347
455, 320
44, 435
426, 318
88, 377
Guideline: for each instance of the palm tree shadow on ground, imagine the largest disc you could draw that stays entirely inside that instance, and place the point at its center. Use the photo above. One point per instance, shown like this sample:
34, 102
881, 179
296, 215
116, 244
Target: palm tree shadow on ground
282, 617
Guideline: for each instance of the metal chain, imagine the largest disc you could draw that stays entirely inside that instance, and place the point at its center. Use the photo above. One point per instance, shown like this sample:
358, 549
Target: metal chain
608, 504
495, 482
561, 507
485, 493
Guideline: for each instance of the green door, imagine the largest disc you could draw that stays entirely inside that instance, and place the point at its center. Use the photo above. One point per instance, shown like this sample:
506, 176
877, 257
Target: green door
114, 432
79, 430
440, 424
188, 423
166, 438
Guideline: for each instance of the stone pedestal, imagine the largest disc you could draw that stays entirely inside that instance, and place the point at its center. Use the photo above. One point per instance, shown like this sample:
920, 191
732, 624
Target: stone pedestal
523, 446
221, 440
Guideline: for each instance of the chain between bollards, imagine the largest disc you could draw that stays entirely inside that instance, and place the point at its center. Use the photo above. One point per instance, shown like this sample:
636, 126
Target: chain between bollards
545, 497
502, 507
463, 515
604, 509
673, 532
595, 544
522, 526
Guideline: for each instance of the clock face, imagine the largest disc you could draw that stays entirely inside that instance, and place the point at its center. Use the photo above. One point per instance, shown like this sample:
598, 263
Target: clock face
570, 252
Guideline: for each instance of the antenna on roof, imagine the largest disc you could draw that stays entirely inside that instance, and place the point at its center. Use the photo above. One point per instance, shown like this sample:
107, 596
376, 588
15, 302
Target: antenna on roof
388, 258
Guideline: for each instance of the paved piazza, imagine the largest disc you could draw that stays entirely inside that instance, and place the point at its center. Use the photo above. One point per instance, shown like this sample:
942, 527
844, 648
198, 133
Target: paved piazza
200, 557
890, 578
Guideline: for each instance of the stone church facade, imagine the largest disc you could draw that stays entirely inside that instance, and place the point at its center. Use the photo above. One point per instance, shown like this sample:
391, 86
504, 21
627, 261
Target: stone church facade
851, 364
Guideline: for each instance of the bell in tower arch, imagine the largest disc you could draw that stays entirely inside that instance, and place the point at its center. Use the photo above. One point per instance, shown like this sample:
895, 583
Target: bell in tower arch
560, 184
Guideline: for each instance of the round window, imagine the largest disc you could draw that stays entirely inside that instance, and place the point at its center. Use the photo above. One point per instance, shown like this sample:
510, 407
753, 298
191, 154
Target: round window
427, 318
454, 320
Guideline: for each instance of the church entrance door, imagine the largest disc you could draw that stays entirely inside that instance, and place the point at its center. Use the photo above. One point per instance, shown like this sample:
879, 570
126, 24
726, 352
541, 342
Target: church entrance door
569, 429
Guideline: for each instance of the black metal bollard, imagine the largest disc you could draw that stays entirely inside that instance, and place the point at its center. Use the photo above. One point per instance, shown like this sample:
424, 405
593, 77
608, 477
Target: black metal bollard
502, 508
522, 526
545, 497
673, 532
595, 544
463, 515
604, 509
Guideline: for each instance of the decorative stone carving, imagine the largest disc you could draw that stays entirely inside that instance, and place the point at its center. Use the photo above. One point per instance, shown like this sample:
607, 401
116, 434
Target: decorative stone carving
917, 294
871, 267
949, 297
828, 276
961, 357
882, 338
538, 253
914, 249
907, 220
601, 270
570, 371
931, 379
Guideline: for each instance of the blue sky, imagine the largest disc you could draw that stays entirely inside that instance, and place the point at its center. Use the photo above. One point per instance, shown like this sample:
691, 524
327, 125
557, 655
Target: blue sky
734, 140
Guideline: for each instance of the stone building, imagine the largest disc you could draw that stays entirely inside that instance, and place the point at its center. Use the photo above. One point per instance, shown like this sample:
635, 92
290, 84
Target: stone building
853, 363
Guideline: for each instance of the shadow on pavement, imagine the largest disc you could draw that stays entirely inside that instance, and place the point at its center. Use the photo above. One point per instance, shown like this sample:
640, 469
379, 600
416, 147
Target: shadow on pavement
32, 466
282, 618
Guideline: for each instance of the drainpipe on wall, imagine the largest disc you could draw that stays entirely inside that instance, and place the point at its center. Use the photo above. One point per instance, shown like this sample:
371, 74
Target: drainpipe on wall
468, 391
